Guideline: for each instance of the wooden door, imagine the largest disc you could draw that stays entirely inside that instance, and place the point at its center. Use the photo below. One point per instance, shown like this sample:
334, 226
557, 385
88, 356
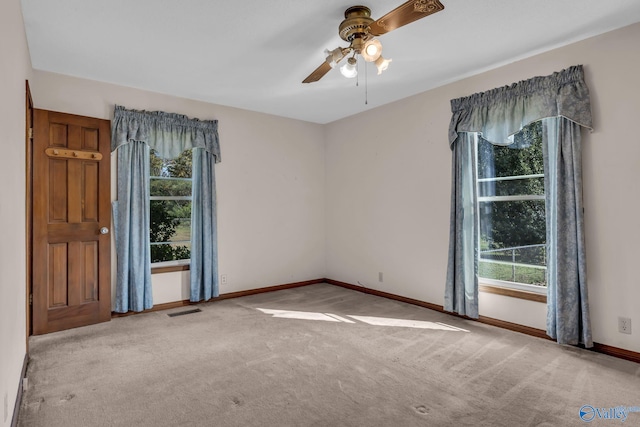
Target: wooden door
71, 220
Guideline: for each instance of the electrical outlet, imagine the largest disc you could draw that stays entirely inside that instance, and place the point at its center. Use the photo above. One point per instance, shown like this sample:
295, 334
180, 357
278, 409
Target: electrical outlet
624, 325
380, 277
224, 279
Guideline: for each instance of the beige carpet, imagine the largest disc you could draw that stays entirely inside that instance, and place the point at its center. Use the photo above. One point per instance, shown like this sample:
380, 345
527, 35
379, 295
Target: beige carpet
349, 359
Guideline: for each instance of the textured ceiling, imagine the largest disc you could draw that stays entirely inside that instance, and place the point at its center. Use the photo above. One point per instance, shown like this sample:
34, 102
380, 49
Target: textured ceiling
254, 54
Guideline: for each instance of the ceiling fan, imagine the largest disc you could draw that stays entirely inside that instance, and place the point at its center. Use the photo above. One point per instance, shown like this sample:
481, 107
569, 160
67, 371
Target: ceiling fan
360, 30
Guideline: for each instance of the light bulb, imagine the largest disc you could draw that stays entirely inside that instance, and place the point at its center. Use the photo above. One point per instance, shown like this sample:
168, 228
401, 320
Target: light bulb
349, 69
372, 50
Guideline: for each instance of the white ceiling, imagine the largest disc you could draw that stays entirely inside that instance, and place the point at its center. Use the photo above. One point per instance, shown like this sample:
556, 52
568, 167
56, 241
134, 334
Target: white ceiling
254, 54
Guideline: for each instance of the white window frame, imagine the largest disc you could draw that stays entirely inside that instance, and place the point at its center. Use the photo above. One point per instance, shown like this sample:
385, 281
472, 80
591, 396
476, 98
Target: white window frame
494, 282
175, 262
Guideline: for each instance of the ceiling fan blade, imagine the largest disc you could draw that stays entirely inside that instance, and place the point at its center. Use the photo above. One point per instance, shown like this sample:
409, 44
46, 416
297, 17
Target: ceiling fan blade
405, 14
319, 72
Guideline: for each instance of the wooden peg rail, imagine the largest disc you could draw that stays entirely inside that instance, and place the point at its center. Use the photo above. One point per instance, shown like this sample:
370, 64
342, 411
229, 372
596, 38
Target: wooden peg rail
73, 154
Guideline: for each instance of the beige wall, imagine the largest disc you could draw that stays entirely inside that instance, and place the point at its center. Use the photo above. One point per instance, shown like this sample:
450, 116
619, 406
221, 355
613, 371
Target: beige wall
15, 68
388, 188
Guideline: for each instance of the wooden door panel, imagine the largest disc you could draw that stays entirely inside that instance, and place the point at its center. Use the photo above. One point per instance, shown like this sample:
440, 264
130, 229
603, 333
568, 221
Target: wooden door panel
89, 139
71, 202
58, 191
58, 135
57, 272
83, 272
90, 272
90, 181
74, 191
74, 285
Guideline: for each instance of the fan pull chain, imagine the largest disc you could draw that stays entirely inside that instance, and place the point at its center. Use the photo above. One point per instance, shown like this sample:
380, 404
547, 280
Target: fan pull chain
366, 85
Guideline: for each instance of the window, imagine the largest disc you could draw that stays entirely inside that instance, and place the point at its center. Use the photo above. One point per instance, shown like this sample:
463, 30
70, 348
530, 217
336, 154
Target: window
170, 207
511, 211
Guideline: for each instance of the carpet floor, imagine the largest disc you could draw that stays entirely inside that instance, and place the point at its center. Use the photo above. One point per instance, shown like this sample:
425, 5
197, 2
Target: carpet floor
318, 355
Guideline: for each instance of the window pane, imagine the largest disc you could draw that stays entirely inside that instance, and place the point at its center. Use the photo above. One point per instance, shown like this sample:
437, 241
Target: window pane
170, 252
523, 157
512, 241
170, 232
170, 187
170, 220
512, 273
512, 232
177, 168
512, 187
509, 224
170, 207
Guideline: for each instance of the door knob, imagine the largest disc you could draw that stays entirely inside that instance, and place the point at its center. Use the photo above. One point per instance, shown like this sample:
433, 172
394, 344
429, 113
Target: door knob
104, 230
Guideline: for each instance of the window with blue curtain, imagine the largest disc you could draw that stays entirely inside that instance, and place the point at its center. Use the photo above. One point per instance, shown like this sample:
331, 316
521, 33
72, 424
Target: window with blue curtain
559, 104
134, 135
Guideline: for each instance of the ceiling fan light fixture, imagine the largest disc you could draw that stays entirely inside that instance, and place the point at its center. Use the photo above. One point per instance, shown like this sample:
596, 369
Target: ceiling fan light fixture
334, 56
371, 50
349, 69
359, 29
382, 64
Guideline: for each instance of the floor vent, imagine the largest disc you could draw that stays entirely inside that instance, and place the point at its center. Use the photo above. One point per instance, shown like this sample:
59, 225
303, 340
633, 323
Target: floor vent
182, 313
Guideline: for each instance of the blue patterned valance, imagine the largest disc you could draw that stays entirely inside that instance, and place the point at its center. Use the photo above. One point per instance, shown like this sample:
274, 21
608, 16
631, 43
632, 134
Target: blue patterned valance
502, 112
167, 133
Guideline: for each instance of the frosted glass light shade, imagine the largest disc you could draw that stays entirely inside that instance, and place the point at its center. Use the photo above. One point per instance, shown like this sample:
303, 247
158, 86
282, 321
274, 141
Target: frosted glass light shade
334, 56
349, 69
382, 64
372, 50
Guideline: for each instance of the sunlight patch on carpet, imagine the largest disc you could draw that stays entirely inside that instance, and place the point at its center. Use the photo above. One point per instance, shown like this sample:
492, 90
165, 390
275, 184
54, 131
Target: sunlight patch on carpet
370, 320
406, 323
304, 315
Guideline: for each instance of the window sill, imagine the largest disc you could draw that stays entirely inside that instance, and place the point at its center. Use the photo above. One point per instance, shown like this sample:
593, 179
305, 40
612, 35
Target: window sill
169, 268
513, 293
